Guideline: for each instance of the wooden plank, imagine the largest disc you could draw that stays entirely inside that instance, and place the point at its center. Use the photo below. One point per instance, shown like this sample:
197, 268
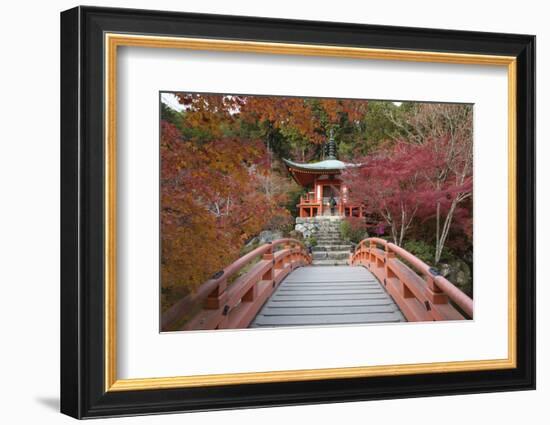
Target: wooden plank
272, 310
287, 297
330, 279
327, 319
329, 285
331, 302
285, 291
328, 296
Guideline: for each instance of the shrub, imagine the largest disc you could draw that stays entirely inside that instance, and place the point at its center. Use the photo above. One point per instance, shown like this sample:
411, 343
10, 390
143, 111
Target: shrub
311, 241
294, 234
426, 252
353, 229
420, 249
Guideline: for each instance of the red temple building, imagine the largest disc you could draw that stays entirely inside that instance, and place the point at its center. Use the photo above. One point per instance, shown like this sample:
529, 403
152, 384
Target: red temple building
327, 195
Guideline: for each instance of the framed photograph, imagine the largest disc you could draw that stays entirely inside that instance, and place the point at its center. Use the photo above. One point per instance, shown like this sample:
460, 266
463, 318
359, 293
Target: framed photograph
261, 212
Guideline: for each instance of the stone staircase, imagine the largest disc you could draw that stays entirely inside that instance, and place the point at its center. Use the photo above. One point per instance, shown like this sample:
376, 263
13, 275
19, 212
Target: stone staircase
330, 250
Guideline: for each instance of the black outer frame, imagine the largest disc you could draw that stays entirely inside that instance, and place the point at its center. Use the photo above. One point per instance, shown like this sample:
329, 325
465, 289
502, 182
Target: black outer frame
82, 218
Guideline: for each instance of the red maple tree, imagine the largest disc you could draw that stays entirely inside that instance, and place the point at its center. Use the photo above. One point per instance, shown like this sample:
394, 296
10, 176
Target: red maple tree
212, 201
406, 183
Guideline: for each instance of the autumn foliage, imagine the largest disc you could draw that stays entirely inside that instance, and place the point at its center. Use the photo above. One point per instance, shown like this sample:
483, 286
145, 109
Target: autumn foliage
310, 118
223, 182
423, 178
212, 201
221, 179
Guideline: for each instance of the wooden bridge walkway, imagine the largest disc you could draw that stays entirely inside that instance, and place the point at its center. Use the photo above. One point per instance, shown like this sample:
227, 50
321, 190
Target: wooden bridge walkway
328, 296
275, 285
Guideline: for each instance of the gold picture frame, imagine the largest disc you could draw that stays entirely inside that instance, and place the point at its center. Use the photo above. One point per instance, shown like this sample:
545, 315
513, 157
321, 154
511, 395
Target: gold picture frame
91, 40
114, 41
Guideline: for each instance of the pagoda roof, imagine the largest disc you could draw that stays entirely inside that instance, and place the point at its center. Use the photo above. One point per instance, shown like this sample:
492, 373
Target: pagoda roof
320, 167
305, 174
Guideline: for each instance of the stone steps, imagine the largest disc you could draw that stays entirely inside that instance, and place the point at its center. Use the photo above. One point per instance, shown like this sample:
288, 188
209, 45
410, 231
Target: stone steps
328, 241
330, 263
331, 255
331, 247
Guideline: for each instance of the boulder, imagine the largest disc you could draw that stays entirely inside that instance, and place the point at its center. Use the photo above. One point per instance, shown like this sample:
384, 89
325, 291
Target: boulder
458, 272
269, 236
307, 227
311, 226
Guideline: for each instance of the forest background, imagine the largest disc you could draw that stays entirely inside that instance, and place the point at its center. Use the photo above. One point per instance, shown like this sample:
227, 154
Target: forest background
224, 185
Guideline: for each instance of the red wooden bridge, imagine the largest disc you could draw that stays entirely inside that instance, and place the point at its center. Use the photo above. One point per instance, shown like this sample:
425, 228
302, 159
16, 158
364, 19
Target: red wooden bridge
275, 285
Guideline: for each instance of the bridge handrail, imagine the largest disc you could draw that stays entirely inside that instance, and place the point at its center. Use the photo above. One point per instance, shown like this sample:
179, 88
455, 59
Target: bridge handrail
447, 287
219, 280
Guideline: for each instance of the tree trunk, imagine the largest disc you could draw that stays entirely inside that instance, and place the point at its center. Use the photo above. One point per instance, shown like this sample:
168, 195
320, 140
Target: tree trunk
445, 231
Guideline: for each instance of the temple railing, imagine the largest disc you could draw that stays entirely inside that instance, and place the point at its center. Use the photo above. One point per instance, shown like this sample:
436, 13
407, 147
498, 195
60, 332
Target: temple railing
419, 290
221, 304
309, 206
308, 198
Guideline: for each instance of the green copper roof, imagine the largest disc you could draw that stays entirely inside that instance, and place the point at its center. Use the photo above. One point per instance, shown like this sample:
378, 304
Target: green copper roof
327, 165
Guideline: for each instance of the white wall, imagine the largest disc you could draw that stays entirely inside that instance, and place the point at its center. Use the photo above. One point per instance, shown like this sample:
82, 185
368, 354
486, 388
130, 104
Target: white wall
29, 225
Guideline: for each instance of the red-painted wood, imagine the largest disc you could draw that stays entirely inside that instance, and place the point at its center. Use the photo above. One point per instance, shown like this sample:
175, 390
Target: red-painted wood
420, 294
234, 305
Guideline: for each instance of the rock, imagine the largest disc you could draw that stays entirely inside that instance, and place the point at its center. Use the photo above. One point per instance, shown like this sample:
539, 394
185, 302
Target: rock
294, 234
264, 237
306, 227
252, 242
269, 236
328, 247
310, 226
458, 272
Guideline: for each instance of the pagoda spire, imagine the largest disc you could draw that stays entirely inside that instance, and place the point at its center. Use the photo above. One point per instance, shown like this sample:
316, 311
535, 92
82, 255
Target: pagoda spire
331, 148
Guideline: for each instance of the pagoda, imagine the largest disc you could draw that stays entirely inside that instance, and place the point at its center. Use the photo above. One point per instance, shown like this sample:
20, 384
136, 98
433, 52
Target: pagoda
326, 195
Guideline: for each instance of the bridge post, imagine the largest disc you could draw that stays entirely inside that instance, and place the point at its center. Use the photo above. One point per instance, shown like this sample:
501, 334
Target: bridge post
251, 294
287, 259
435, 295
268, 275
371, 256
356, 254
217, 297
388, 256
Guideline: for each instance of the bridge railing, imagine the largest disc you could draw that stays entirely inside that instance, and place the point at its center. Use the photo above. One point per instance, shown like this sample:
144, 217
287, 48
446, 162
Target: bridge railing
419, 290
221, 304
